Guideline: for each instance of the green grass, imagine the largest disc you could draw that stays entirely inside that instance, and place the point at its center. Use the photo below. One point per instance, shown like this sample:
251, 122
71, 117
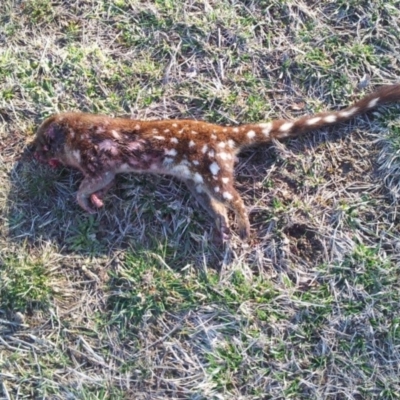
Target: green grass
138, 301
25, 284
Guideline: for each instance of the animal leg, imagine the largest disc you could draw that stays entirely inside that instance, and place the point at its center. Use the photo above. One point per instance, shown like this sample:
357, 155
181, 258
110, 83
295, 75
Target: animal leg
93, 189
229, 196
215, 208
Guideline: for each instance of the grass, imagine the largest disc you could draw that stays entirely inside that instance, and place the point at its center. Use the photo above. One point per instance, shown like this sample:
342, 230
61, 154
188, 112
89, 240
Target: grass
137, 301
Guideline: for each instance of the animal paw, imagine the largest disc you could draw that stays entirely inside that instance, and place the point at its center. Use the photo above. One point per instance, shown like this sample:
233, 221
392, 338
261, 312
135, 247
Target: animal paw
96, 200
244, 232
83, 201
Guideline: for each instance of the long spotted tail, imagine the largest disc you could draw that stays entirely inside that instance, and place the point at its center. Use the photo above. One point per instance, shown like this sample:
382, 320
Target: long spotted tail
264, 132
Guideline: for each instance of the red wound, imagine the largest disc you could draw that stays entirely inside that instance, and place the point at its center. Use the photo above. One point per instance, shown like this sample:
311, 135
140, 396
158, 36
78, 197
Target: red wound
54, 163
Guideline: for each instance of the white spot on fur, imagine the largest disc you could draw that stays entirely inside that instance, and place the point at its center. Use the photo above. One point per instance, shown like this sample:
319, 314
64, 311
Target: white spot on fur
159, 137
330, 119
109, 145
134, 146
227, 196
198, 178
214, 168
191, 143
373, 102
181, 170
266, 128
211, 153
77, 155
216, 189
174, 139
225, 180
181, 131
213, 136
193, 132
100, 129
154, 167
204, 149
224, 156
251, 134
313, 121
286, 126
154, 131
195, 162
348, 113
171, 152
137, 127
231, 143
175, 125
166, 130
235, 130
115, 134
72, 133
225, 130
222, 145
124, 168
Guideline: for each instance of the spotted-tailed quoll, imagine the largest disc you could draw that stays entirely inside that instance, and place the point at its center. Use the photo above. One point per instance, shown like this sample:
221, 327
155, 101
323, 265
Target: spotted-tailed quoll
199, 153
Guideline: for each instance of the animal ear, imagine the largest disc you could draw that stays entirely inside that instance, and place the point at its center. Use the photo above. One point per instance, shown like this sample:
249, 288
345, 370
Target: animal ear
55, 135
51, 132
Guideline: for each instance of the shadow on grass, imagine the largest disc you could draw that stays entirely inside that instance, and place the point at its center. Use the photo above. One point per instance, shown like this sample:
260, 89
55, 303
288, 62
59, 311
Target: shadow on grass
140, 212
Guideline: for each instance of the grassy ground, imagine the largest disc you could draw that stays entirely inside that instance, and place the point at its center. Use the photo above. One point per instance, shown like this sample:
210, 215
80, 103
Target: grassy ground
136, 302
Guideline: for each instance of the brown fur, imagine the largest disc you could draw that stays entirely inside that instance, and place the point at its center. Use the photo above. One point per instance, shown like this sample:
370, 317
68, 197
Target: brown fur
200, 153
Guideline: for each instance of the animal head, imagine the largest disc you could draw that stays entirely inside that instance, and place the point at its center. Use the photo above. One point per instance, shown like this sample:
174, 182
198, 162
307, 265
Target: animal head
48, 142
